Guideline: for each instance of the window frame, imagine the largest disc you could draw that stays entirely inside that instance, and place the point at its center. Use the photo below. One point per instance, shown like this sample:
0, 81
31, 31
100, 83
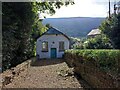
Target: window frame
63, 47
46, 46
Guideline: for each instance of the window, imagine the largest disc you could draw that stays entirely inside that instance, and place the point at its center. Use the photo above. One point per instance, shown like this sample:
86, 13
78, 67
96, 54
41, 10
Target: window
45, 46
61, 46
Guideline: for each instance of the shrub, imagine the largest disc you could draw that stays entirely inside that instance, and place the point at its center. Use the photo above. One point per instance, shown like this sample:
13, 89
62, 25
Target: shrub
99, 42
106, 60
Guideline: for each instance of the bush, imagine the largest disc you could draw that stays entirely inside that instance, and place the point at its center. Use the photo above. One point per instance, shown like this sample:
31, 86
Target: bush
106, 60
99, 42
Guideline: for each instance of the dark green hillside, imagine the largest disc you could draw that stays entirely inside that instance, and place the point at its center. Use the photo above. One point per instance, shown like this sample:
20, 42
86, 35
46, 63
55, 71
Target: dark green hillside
76, 26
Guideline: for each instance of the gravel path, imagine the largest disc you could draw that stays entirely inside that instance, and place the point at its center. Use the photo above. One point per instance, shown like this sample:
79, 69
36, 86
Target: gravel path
46, 74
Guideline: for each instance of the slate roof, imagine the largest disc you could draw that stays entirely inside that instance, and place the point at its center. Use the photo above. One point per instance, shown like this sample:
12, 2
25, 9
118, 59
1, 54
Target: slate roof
54, 31
94, 32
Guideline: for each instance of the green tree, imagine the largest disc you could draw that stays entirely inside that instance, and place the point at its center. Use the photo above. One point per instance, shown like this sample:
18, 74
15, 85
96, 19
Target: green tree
48, 25
99, 42
17, 23
38, 29
111, 28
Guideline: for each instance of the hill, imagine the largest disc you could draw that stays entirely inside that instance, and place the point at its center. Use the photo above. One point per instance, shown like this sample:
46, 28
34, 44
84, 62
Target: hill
75, 26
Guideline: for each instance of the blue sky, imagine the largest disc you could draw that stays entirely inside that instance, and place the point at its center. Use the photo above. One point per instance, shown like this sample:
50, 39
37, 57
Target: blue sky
84, 8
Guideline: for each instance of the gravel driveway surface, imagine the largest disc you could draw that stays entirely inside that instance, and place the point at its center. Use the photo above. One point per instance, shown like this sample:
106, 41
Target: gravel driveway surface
47, 74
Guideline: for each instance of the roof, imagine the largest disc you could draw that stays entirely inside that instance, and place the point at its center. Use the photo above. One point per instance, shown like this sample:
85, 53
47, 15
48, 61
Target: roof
94, 32
54, 31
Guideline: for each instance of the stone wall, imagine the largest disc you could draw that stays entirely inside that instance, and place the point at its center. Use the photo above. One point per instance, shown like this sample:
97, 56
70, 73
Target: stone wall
8, 75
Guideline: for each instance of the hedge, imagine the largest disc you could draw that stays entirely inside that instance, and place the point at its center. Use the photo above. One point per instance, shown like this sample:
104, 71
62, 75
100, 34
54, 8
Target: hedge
105, 60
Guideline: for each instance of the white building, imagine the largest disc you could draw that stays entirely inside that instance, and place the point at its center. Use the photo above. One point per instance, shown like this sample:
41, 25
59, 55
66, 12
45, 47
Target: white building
118, 7
93, 33
52, 44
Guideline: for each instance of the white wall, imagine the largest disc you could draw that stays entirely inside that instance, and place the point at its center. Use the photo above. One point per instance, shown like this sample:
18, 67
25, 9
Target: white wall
50, 39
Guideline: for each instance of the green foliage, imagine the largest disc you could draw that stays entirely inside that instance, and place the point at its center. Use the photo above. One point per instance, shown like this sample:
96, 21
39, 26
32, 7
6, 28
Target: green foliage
49, 7
17, 24
48, 25
38, 29
99, 42
75, 43
111, 28
106, 60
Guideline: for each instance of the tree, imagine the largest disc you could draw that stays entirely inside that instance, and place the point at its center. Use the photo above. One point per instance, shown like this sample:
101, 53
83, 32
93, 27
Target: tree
17, 23
111, 28
99, 42
48, 25
38, 29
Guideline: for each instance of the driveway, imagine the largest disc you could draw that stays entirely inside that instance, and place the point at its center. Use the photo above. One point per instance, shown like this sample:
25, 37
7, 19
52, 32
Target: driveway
47, 74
